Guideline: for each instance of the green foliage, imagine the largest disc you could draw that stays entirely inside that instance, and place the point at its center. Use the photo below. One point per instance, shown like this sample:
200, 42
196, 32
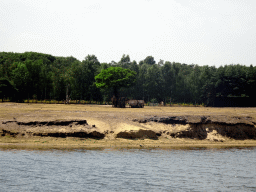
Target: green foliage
154, 100
149, 60
115, 77
46, 77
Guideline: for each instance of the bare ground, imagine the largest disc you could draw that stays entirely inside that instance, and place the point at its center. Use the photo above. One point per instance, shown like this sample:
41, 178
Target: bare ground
94, 126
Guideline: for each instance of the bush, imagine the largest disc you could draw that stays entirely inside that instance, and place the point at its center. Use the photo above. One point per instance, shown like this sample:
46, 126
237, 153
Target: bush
154, 100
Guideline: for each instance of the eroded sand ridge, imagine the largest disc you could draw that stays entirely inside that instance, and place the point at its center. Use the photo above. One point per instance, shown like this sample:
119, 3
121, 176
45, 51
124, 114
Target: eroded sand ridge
214, 128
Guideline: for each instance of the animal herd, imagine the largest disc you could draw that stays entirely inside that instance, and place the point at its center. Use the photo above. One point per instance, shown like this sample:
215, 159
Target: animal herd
122, 101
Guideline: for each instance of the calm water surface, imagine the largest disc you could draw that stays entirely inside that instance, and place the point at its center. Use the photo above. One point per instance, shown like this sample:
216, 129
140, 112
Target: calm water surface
128, 170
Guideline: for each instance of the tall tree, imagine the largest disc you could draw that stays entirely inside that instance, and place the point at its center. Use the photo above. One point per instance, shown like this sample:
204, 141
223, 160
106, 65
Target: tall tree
149, 60
20, 77
115, 77
154, 83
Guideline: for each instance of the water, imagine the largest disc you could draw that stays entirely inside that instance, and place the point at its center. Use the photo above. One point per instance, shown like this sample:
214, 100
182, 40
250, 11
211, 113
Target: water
128, 170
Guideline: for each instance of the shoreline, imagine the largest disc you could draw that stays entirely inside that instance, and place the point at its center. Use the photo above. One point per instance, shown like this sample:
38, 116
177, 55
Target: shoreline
70, 143
41, 126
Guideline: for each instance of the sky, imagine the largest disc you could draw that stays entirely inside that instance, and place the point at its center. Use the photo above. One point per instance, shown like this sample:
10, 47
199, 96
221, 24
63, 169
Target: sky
203, 32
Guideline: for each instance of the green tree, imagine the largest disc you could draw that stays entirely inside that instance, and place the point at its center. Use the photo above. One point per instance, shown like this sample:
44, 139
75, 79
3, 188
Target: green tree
168, 75
90, 69
115, 77
208, 80
7, 89
149, 60
34, 77
251, 81
125, 60
194, 86
154, 83
20, 77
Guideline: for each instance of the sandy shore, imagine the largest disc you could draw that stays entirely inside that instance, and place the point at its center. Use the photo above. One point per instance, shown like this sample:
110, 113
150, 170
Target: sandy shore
58, 126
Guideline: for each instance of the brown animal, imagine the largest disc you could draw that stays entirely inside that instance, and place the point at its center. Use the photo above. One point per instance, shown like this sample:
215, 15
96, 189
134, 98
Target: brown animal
114, 101
141, 103
119, 102
136, 103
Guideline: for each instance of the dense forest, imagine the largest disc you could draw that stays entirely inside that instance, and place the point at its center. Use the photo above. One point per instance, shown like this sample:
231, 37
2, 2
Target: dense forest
43, 76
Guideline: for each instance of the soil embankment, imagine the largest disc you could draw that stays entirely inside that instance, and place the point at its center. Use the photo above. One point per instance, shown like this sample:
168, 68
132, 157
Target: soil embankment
69, 128
213, 128
109, 125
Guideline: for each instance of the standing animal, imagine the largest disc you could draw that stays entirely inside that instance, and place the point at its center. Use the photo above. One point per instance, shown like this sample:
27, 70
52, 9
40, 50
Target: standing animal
136, 103
141, 103
119, 102
114, 101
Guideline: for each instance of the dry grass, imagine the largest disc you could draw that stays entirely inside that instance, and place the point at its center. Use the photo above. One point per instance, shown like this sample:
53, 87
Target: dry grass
7, 109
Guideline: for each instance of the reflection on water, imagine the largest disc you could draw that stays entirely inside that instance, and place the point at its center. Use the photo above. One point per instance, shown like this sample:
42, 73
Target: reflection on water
128, 170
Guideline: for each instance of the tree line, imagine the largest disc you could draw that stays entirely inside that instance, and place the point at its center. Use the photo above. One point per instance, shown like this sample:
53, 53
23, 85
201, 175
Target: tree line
43, 76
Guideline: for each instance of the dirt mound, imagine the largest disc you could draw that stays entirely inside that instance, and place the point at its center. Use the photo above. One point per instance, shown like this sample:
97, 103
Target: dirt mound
49, 123
207, 127
139, 134
68, 128
193, 119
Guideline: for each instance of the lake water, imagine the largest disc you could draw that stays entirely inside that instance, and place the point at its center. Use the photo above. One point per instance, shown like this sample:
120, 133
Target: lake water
128, 170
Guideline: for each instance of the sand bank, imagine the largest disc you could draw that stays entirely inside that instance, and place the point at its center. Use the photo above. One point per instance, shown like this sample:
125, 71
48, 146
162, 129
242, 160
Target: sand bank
89, 126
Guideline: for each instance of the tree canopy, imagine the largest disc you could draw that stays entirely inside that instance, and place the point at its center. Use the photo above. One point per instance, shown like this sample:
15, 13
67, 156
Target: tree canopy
115, 77
42, 76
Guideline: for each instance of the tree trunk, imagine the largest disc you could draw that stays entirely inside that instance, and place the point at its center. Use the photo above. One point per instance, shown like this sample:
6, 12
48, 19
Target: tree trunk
116, 97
